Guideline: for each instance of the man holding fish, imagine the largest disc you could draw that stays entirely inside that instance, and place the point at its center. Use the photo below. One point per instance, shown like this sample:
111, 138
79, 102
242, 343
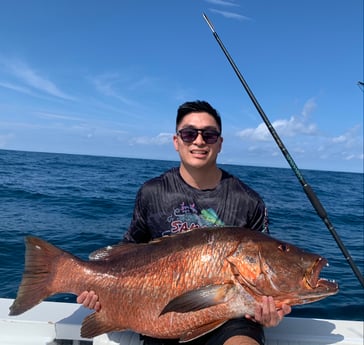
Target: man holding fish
198, 194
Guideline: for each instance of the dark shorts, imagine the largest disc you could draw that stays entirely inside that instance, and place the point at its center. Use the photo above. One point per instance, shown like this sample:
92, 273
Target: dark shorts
220, 335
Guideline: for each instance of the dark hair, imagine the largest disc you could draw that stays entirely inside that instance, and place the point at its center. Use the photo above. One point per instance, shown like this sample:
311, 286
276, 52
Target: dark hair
197, 107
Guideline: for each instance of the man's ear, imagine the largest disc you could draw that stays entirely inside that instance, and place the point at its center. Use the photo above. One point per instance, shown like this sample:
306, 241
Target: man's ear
175, 142
221, 140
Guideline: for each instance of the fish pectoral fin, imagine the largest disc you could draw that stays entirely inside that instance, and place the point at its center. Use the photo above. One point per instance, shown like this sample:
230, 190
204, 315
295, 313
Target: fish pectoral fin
202, 298
95, 324
199, 332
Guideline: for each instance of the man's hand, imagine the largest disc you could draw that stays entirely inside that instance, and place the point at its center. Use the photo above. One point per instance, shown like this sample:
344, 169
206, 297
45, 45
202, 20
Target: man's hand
267, 314
89, 300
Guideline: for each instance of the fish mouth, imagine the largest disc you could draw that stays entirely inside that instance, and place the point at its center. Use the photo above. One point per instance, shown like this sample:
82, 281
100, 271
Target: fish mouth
314, 281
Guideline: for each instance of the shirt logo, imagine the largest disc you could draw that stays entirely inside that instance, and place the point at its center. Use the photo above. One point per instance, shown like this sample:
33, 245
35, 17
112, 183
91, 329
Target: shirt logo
186, 217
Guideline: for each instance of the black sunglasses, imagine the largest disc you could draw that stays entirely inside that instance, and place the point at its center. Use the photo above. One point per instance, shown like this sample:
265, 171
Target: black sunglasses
189, 135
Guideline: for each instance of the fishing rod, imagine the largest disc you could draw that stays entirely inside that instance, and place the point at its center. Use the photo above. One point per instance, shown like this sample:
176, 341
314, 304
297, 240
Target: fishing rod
361, 85
306, 187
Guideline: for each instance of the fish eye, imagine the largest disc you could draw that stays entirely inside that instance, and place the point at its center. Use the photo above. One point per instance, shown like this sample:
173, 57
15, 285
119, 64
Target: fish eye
283, 247
250, 259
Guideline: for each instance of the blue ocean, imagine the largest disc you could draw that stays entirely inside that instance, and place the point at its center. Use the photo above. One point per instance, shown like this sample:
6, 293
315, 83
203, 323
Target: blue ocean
81, 203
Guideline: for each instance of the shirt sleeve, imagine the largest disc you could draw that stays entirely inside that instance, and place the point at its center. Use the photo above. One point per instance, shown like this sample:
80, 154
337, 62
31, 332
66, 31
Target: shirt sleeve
259, 220
138, 230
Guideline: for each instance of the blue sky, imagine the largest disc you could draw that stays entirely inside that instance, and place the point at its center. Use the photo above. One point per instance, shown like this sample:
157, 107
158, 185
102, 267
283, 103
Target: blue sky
106, 77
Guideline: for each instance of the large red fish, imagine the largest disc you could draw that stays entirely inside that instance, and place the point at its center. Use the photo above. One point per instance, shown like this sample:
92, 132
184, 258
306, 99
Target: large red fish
181, 286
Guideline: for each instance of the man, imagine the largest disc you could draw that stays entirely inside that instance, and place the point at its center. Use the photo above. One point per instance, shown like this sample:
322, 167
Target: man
199, 194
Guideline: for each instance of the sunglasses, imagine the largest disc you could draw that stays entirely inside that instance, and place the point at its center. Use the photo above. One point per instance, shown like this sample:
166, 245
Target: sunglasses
189, 135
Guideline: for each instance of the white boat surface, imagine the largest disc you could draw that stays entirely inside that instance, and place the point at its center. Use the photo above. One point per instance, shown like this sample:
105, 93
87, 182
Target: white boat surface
58, 323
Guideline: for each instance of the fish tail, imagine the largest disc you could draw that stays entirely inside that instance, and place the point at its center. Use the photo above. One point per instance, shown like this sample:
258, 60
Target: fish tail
36, 284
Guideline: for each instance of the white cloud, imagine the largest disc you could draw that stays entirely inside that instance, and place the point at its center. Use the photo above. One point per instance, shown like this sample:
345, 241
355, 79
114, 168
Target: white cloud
351, 138
295, 125
115, 86
33, 79
223, 3
53, 116
227, 14
339, 139
309, 107
259, 133
302, 137
348, 145
230, 15
105, 84
17, 88
160, 139
349, 157
287, 128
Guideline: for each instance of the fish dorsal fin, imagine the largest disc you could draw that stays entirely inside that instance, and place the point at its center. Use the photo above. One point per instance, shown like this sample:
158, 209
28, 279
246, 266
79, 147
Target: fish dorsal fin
95, 324
114, 251
200, 331
202, 298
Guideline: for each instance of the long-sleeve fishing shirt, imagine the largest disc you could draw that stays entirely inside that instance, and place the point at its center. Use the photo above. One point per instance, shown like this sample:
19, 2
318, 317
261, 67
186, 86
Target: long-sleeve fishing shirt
167, 205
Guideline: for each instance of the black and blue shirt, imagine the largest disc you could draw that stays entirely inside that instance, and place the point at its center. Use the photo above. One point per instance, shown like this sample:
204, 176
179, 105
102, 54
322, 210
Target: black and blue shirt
167, 205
